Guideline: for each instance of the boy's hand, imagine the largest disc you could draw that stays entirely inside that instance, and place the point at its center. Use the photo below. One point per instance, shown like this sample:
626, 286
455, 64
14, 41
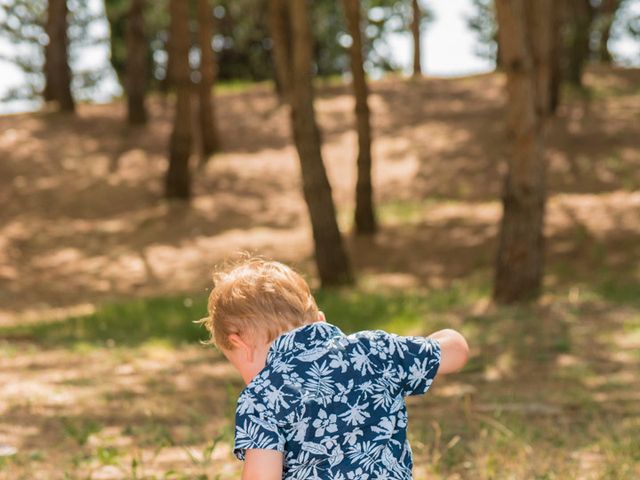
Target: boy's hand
262, 465
454, 350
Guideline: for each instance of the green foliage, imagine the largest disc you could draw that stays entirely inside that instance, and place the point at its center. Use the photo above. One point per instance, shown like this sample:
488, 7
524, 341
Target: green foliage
632, 25
241, 41
156, 26
386, 17
484, 24
22, 24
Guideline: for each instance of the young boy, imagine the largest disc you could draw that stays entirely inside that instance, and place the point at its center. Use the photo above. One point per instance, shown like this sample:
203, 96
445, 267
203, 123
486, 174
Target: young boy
318, 404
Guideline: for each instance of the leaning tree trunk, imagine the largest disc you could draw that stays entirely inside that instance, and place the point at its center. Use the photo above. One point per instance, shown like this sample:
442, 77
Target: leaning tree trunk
416, 20
365, 221
57, 72
206, 112
136, 80
331, 258
178, 180
281, 52
526, 35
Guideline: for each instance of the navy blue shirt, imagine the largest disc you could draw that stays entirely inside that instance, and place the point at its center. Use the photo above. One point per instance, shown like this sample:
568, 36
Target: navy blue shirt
334, 403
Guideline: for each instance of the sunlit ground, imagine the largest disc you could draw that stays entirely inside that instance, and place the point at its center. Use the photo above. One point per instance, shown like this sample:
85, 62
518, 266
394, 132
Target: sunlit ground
123, 388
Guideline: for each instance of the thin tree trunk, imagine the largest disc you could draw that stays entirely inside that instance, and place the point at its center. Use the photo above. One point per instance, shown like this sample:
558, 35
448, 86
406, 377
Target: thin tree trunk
499, 59
579, 49
608, 13
136, 81
206, 112
556, 56
526, 35
178, 180
415, 31
281, 50
365, 221
331, 258
57, 72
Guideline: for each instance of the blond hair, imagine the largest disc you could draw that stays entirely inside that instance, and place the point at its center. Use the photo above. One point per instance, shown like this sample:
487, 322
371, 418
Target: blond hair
257, 297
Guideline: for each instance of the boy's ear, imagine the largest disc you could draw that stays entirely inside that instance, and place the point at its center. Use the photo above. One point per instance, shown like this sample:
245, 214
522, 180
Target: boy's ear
238, 343
321, 317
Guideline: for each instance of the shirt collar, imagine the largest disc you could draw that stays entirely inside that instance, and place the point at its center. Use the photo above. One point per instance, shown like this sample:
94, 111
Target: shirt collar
299, 339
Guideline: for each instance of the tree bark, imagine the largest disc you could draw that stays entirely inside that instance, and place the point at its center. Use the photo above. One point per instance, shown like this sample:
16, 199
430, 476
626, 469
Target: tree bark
279, 27
365, 221
416, 20
331, 258
526, 34
57, 72
136, 81
557, 51
608, 10
178, 180
208, 71
579, 50
165, 84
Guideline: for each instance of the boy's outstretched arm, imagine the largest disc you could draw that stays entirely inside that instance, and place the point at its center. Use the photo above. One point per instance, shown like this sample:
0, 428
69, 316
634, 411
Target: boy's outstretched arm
454, 350
262, 465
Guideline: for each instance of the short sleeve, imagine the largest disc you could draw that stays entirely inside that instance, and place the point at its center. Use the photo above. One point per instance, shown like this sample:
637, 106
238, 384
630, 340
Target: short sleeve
418, 359
255, 428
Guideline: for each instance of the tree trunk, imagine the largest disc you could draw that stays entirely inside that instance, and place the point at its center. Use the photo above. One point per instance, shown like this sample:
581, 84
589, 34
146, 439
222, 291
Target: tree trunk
416, 20
331, 258
57, 72
279, 27
365, 221
557, 51
136, 81
178, 180
526, 34
579, 39
165, 84
607, 13
208, 67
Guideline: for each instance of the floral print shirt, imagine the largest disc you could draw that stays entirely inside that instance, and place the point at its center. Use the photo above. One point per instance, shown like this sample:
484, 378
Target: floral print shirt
334, 403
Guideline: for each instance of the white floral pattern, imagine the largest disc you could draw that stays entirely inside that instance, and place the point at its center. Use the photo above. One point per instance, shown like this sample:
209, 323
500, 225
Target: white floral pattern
334, 404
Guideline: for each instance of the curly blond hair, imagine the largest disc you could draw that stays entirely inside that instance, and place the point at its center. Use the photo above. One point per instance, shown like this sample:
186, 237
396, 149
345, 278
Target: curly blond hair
257, 297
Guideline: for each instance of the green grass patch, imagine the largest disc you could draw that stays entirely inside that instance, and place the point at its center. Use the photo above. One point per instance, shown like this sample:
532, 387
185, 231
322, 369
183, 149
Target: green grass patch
128, 323
170, 321
240, 86
622, 291
397, 311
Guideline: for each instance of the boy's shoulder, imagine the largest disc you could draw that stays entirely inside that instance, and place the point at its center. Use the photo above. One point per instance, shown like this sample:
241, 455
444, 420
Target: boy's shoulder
322, 350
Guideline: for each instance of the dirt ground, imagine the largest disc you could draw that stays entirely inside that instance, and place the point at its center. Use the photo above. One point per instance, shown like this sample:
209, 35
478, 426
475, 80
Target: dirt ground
82, 221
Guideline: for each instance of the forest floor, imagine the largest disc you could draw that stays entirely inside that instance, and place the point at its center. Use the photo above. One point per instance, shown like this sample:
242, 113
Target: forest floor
101, 374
